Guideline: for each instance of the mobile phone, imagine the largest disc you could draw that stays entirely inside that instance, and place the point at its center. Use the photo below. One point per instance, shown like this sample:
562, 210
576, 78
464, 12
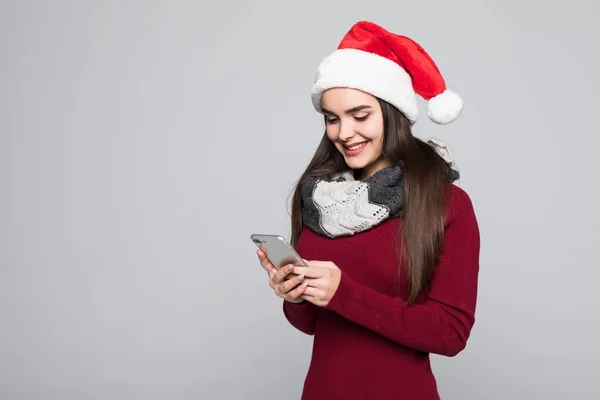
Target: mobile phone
278, 250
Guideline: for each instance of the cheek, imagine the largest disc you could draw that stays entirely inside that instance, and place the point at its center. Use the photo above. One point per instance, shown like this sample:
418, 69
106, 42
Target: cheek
331, 132
374, 132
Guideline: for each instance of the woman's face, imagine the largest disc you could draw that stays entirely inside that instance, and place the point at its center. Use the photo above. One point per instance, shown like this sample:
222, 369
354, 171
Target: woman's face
354, 123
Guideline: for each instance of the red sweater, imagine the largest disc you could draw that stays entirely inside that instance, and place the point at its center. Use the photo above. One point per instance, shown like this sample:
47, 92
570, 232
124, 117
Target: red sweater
368, 344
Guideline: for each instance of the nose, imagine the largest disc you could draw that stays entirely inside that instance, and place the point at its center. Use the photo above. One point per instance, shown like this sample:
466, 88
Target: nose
346, 131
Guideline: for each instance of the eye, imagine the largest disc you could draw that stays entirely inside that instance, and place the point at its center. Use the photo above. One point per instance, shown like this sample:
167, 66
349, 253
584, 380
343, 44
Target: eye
331, 120
361, 118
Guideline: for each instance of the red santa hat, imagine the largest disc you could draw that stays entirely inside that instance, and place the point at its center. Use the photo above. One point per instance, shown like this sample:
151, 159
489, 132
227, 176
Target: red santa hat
391, 67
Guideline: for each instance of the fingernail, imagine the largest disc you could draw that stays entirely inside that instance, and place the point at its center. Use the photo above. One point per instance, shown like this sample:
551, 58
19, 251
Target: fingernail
290, 267
305, 284
300, 277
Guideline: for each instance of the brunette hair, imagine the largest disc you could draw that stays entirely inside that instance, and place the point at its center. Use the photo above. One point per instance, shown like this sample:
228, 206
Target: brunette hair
421, 232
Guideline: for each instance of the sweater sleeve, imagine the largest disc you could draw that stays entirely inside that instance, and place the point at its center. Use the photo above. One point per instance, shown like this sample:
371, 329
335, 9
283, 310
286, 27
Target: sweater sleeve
302, 316
442, 322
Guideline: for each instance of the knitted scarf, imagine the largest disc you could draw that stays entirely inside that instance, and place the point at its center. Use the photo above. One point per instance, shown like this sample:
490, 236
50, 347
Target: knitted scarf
343, 206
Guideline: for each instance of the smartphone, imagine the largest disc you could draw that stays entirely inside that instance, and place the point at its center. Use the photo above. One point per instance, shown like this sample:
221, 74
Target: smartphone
278, 250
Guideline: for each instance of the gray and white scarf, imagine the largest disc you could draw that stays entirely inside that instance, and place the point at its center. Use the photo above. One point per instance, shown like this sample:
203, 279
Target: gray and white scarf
343, 206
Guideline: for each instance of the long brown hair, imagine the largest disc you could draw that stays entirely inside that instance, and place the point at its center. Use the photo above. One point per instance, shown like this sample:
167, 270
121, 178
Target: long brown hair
425, 182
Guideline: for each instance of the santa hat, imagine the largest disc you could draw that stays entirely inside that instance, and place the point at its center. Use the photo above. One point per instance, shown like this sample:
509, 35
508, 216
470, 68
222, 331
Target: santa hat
391, 67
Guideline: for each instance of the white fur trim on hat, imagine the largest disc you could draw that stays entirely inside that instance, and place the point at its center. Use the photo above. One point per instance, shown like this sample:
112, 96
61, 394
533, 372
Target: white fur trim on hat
370, 73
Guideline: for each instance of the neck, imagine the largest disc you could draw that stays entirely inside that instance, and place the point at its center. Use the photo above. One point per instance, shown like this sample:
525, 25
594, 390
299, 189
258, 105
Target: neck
371, 169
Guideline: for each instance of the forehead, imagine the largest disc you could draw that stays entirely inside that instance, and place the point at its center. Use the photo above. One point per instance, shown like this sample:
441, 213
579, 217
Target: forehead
345, 98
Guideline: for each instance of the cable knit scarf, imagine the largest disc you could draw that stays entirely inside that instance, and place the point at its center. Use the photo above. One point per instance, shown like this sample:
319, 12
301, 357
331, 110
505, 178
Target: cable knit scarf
343, 206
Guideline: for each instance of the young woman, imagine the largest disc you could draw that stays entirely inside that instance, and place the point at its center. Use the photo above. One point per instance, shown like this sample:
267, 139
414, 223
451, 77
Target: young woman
392, 245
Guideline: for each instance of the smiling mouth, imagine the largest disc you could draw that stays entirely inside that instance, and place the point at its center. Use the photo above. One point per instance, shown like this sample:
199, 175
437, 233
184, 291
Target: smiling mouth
356, 146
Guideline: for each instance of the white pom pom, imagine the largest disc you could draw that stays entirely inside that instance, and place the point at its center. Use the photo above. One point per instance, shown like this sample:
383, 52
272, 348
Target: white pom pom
445, 107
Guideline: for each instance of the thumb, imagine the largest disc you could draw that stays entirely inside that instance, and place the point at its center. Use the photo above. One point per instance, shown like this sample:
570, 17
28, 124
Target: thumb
319, 264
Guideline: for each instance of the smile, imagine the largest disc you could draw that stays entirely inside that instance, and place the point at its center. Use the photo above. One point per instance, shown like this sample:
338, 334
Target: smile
355, 149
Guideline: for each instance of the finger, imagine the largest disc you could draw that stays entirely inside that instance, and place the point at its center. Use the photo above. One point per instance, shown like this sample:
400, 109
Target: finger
282, 273
265, 263
297, 291
313, 292
290, 284
264, 260
318, 264
309, 272
311, 299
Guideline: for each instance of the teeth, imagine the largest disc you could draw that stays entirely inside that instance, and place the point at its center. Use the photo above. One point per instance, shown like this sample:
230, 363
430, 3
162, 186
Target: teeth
358, 146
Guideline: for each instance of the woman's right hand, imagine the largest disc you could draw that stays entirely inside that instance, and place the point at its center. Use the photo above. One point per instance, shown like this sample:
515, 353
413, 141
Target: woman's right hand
284, 284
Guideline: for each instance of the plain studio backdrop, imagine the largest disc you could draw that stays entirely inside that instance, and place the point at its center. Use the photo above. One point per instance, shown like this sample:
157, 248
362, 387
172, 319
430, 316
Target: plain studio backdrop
143, 142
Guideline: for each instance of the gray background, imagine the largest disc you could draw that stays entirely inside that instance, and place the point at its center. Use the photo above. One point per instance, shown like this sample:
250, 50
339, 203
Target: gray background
142, 143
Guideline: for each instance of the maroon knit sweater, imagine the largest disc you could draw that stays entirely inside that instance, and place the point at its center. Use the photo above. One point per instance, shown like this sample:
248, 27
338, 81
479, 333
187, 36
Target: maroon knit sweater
368, 344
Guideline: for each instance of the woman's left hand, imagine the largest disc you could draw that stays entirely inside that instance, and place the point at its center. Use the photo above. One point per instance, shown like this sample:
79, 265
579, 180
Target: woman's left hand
324, 280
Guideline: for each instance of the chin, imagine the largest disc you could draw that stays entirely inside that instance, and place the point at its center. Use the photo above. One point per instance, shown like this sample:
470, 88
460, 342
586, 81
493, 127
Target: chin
356, 163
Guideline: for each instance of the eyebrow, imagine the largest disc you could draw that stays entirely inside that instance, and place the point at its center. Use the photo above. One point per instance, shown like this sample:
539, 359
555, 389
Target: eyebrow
349, 111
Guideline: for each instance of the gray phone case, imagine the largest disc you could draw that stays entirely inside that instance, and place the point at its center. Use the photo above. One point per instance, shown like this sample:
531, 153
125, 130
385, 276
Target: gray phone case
278, 250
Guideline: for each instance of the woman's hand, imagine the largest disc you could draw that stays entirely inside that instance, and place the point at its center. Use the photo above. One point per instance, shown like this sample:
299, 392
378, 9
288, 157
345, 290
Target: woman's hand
283, 281
323, 278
